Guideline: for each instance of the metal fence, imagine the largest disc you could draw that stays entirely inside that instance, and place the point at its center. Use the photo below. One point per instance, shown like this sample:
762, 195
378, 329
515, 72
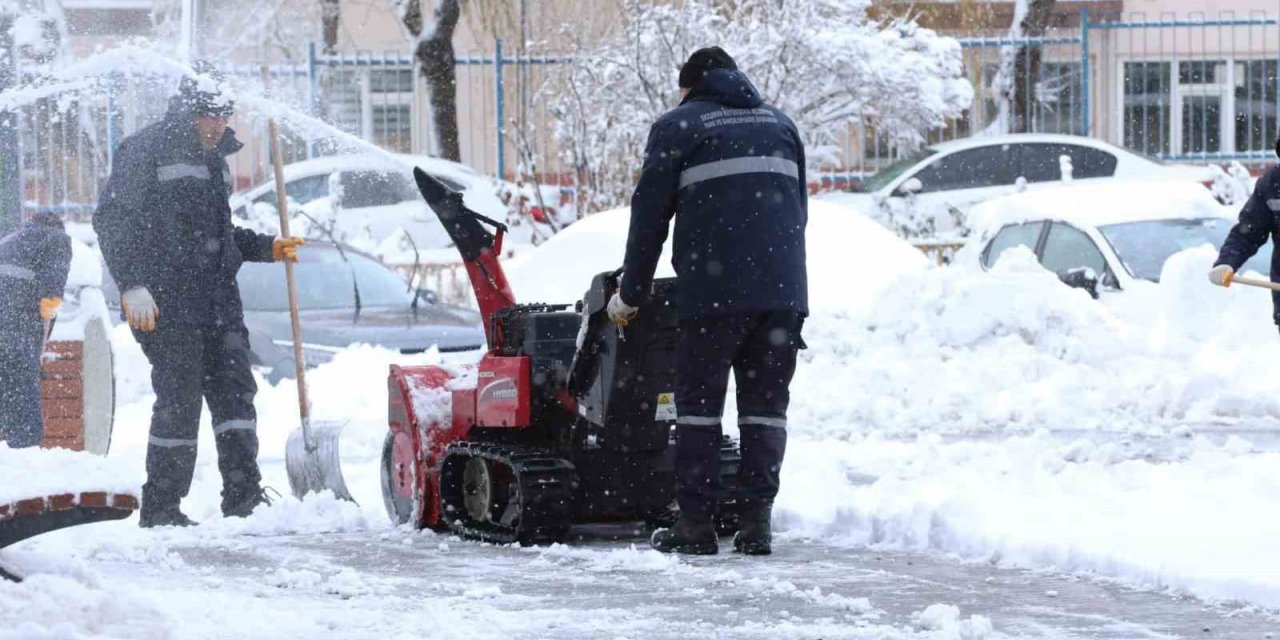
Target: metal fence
1193, 88
1197, 88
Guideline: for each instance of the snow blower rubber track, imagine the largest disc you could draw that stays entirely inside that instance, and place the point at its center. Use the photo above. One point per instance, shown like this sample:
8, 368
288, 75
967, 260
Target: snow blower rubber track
521, 494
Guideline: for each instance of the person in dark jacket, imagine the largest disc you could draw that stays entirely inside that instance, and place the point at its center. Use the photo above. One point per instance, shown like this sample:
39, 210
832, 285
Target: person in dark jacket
1259, 221
164, 225
731, 171
34, 261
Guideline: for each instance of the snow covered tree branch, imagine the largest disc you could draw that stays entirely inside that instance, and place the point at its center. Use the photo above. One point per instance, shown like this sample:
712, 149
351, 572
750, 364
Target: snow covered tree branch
823, 62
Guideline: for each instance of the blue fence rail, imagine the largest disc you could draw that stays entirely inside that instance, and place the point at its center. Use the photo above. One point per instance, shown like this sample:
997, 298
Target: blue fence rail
1195, 88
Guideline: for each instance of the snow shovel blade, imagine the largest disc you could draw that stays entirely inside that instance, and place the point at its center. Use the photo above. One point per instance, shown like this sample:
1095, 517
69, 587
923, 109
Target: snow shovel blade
314, 466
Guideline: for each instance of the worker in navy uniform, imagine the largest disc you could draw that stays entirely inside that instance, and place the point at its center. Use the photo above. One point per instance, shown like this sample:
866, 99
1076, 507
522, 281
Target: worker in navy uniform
34, 261
165, 228
1259, 221
731, 171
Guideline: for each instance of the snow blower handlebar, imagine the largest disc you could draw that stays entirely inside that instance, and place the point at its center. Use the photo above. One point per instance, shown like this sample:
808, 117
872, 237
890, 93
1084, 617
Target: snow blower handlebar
479, 248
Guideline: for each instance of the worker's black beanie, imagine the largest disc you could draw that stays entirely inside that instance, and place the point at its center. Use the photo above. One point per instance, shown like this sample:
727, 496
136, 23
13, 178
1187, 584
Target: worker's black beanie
702, 61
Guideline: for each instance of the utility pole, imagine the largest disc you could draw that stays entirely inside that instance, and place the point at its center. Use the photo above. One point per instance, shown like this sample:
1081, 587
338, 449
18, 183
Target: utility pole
10, 159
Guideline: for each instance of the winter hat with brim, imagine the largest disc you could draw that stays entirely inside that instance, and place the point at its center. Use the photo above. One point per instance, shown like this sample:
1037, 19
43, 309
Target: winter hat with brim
702, 61
205, 94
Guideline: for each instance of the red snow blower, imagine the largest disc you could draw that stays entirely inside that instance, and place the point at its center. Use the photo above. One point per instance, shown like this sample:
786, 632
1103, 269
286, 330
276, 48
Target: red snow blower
564, 420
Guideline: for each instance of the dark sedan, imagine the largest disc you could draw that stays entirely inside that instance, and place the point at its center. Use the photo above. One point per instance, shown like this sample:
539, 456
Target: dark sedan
346, 298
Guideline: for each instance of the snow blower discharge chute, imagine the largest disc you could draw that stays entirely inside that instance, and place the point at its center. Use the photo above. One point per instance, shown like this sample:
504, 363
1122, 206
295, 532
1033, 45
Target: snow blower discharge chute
563, 421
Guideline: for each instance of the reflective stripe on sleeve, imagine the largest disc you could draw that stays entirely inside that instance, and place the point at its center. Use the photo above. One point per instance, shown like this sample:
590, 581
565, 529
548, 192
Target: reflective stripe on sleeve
14, 271
179, 171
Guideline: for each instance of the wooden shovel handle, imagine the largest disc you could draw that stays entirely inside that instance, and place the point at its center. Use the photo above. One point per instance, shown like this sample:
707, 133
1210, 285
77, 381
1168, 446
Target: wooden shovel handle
1255, 282
282, 205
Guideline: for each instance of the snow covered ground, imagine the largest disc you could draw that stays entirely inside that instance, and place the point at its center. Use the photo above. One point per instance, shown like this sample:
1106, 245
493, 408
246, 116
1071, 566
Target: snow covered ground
962, 423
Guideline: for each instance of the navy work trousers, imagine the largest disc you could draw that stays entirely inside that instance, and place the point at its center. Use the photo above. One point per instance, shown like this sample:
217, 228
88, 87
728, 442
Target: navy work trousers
189, 368
21, 345
760, 349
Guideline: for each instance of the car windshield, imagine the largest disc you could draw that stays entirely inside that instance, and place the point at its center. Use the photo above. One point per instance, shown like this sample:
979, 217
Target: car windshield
1144, 247
883, 177
324, 282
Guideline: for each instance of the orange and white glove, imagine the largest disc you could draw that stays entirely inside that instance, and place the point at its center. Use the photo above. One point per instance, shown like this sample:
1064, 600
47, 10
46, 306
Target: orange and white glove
140, 309
1222, 275
49, 308
286, 248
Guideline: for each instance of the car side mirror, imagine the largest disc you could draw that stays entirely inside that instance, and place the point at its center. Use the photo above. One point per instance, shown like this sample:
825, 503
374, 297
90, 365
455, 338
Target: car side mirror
911, 186
1081, 278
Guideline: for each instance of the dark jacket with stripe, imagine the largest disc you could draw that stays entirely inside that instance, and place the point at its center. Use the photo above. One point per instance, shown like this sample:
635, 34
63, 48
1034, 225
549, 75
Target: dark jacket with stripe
164, 223
731, 170
1259, 221
34, 261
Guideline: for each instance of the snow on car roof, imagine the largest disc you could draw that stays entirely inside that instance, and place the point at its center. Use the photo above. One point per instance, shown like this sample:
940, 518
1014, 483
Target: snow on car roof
1101, 203
372, 161
1022, 138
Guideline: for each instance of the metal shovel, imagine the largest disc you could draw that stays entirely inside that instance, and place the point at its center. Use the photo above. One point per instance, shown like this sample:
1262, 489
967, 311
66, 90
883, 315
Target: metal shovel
311, 455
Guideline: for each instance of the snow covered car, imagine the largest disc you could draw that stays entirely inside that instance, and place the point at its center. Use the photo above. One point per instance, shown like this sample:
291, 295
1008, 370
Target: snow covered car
345, 298
370, 201
1107, 235
930, 192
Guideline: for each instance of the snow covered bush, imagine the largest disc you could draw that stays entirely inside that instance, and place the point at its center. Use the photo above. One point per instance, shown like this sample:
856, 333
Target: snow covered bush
823, 62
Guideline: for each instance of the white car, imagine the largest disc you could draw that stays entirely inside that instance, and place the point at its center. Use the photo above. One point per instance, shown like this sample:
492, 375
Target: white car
1105, 236
371, 201
931, 192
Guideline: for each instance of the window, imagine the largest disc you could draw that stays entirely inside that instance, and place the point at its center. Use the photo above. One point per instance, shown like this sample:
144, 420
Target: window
1202, 85
304, 190
971, 169
1026, 235
1147, 104
375, 189
1255, 110
1043, 162
393, 127
1068, 248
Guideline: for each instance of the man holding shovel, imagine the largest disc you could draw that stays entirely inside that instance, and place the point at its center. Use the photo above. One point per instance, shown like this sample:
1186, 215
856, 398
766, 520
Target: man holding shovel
1259, 220
164, 224
34, 261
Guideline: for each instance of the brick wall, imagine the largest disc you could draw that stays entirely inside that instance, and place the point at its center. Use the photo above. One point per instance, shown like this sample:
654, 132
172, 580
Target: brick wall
62, 389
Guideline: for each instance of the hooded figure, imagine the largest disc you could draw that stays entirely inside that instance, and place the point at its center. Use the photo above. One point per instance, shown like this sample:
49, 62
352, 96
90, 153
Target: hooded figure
34, 261
731, 170
164, 224
1259, 220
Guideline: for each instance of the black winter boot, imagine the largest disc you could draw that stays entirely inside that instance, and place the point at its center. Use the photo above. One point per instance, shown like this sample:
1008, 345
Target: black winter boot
163, 516
755, 537
687, 537
240, 503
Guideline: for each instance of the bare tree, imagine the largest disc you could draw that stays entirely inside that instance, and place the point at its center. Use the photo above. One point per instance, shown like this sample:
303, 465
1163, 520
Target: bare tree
434, 51
330, 20
1017, 82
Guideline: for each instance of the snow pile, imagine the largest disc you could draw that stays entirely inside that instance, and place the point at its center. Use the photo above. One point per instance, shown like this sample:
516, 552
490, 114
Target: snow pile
945, 619
50, 607
1203, 522
36, 473
966, 350
850, 258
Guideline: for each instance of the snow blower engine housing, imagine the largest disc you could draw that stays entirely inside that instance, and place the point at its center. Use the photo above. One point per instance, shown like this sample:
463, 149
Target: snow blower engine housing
566, 419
